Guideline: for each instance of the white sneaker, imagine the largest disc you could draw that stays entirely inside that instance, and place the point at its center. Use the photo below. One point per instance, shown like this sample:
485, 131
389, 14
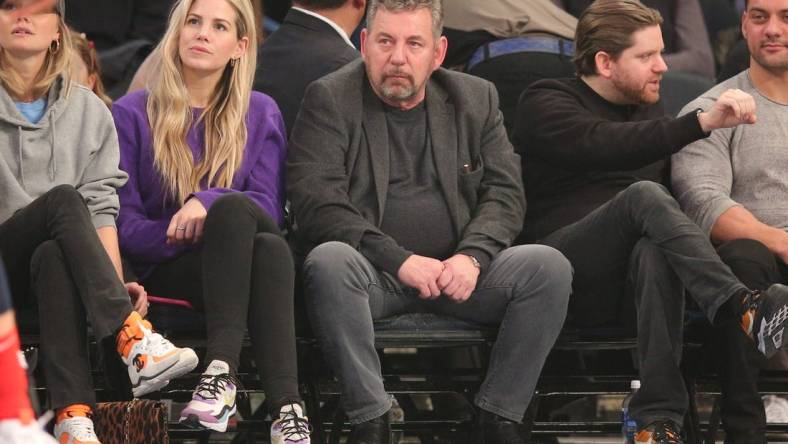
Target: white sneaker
76, 430
12, 431
292, 427
152, 360
776, 409
213, 401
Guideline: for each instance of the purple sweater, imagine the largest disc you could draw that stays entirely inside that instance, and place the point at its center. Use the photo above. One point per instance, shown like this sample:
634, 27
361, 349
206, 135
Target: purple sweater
146, 210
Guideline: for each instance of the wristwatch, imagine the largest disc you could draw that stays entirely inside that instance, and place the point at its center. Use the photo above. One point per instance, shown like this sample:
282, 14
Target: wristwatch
475, 261
698, 112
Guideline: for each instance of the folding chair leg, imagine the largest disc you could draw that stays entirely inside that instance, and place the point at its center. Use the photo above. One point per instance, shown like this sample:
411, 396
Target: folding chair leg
205, 437
714, 423
31, 356
337, 424
312, 401
249, 436
530, 417
692, 420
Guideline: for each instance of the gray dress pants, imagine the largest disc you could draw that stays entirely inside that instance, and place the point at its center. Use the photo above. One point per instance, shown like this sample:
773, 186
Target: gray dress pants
525, 291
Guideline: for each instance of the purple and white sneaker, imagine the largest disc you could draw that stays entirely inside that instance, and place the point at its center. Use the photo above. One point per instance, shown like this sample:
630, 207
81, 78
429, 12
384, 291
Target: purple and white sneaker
292, 427
213, 401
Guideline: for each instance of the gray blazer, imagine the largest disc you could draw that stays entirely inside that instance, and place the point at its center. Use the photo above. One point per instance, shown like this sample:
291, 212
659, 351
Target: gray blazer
338, 163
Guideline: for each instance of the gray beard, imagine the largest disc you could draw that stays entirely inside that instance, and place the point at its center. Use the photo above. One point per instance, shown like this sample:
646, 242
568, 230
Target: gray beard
398, 93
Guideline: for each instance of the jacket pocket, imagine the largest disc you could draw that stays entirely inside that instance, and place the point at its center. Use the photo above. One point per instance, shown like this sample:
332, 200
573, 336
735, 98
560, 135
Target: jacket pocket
470, 181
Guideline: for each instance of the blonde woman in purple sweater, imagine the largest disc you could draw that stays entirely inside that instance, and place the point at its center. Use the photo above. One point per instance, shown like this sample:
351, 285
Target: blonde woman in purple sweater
201, 214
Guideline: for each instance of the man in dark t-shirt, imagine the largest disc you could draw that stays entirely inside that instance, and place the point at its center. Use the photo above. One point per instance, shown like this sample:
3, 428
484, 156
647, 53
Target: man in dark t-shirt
594, 152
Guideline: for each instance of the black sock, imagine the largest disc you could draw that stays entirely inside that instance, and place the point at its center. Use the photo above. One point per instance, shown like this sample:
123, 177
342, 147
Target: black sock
731, 309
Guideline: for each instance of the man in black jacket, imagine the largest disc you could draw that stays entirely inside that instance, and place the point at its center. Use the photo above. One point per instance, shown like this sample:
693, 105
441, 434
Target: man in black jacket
407, 192
312, 42
594, 150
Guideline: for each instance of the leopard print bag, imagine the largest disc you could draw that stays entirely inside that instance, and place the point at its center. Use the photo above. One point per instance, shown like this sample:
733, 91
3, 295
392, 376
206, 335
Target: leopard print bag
138, 421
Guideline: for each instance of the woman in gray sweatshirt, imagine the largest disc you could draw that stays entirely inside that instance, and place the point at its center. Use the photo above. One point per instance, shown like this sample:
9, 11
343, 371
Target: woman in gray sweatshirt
58, 179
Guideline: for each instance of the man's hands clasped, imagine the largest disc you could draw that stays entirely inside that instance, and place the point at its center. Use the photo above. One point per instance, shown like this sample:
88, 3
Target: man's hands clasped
455, 277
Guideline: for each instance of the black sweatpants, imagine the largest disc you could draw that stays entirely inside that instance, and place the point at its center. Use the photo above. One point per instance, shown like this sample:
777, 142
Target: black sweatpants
241, 277
54, 257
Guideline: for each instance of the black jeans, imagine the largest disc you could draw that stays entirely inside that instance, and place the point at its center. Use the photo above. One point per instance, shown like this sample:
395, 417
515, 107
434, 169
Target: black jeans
743, 417
241, 277
513, 73
54, 256
642, 240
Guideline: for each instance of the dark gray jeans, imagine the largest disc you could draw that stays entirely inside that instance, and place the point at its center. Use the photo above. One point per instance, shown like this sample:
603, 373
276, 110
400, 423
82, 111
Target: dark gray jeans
526, 291
642, 239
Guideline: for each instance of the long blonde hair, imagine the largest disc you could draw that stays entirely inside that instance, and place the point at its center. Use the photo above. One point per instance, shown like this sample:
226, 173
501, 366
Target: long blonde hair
57, 62
170, 114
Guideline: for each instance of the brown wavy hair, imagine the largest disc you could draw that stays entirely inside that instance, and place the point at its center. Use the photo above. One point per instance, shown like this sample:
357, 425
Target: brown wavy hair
608, 25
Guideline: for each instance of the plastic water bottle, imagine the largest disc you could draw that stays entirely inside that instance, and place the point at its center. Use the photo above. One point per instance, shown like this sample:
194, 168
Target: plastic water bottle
628, 425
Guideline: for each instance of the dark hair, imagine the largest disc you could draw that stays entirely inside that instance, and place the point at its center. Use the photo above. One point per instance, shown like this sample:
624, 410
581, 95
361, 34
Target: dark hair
321, 4
608, 25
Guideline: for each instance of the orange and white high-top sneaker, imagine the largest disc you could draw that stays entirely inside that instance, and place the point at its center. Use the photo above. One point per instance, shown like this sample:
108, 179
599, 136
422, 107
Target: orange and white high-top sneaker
152, 360
74, 426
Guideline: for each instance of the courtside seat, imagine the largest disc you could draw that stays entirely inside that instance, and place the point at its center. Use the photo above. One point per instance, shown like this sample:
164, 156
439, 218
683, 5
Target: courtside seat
416, 365
414, 374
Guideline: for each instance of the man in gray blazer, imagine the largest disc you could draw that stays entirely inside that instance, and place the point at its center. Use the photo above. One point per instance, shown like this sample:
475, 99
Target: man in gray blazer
407, 195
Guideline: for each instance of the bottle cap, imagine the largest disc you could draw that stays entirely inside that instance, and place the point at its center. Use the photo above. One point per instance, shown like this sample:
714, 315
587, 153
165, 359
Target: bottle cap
635, 384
